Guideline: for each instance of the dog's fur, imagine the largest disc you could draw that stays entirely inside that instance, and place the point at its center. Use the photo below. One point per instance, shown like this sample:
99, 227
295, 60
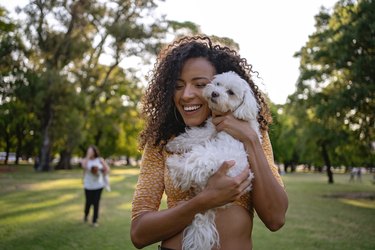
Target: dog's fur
200, 151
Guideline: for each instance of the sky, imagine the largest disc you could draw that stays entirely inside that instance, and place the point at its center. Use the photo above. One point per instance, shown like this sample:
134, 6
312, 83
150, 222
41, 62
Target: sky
269, 32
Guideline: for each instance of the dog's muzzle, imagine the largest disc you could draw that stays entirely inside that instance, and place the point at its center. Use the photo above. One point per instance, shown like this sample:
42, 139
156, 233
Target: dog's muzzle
214, 94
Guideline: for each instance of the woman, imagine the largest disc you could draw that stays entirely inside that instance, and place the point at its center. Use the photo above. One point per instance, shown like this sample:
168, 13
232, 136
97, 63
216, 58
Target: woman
173, 101
95, 170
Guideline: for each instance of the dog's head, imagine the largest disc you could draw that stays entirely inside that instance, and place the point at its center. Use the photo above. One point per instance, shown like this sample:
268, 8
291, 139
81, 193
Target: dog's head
229, 92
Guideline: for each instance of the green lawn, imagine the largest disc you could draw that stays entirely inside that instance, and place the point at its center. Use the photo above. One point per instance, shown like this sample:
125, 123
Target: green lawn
44, 211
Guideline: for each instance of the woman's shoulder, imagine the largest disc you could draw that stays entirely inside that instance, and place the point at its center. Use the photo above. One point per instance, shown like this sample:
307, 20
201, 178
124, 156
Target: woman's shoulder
153, 156
96, 160
153, 149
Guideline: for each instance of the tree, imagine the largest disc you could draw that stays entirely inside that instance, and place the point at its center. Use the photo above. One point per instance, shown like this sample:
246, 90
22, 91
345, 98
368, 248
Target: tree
72, 84
283, 134
336, 82
14, 115
68, 40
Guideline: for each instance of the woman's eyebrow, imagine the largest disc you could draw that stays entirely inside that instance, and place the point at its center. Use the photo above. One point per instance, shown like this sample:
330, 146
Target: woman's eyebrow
195, 78
200, 78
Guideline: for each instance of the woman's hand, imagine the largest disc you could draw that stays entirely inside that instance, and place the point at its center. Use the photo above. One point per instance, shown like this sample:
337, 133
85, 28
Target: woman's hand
222, 189
239, 129
106, 168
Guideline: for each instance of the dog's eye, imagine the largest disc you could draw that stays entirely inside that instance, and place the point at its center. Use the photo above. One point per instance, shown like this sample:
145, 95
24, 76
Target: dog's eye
230, 92
217, 84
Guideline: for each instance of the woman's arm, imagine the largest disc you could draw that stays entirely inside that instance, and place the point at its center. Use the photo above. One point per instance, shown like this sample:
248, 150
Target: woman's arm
106, 167
84, 163
269, 197
154, 226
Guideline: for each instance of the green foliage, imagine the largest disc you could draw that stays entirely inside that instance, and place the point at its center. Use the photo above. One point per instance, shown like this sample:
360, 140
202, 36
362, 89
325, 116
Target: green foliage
69, 78
332, 111
16, 123
226, 41
188, 25
283, 135
338, 60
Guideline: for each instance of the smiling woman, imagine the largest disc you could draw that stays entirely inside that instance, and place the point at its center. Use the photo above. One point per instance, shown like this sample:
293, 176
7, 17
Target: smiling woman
173, 102
195, 74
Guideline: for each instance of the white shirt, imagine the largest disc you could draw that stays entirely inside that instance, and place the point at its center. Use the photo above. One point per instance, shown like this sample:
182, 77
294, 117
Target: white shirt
93, 181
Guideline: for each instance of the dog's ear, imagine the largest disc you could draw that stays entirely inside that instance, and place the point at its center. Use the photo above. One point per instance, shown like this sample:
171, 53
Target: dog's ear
249, 108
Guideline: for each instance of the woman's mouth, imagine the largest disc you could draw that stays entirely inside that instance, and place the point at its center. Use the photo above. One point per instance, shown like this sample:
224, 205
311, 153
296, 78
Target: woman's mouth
191, 108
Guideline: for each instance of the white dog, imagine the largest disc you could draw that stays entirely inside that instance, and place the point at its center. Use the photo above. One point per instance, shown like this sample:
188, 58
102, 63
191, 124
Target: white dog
200, 151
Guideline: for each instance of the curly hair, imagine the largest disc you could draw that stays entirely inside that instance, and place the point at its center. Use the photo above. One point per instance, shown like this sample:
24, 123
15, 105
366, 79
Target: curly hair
158, 108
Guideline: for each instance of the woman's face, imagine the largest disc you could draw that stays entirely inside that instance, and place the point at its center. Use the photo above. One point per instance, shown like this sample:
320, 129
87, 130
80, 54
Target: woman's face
195, 74
90, 153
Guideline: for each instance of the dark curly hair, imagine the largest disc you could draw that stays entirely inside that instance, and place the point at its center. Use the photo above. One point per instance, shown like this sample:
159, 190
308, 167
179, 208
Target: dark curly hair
158, 108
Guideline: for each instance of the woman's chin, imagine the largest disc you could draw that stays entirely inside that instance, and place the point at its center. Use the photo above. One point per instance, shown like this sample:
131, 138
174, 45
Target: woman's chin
193, 122
195, 118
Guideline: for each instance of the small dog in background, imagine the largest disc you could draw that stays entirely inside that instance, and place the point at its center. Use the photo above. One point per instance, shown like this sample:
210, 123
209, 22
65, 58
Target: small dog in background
200, 151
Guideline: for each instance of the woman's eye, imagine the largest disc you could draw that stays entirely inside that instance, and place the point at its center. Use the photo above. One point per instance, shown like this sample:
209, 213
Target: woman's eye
230, 92
179, 86
201, 85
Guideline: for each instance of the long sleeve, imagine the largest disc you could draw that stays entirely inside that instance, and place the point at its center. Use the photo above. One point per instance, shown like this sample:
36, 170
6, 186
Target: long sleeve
150, 186
267, 148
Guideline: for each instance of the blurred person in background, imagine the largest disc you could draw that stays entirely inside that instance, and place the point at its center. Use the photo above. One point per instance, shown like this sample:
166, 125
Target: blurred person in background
96, 171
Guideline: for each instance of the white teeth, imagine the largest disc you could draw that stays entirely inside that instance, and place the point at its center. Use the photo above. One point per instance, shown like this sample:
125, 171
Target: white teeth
192, 108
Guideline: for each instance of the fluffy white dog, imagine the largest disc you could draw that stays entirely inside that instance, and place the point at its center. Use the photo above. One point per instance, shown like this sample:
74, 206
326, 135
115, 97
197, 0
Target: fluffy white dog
200, 151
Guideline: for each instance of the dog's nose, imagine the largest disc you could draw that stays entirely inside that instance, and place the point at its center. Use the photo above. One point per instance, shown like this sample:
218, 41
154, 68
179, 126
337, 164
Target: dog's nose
214, 94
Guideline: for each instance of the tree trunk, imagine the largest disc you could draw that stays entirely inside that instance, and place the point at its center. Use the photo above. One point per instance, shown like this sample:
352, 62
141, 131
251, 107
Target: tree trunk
98, 136
327, 163
19, 144
45, 151
286, 166
64, 162
292, 167
346, 169
7, 148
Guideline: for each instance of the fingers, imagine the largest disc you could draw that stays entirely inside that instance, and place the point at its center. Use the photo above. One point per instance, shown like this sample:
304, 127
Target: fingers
243, 175
244, 187
225, 188
217, 120
226, 166
216, 113
219, 117
244, 182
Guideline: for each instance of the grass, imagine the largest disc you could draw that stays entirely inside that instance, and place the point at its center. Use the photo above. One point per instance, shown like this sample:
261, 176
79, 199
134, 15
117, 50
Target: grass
45, 211
315, 221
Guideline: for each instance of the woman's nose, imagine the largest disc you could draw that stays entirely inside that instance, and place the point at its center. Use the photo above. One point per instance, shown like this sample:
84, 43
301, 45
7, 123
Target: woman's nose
188, 92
